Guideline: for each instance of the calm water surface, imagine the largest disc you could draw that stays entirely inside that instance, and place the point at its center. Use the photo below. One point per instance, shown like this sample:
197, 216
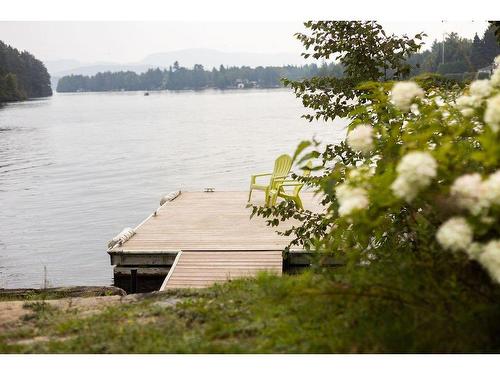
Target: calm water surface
77, 168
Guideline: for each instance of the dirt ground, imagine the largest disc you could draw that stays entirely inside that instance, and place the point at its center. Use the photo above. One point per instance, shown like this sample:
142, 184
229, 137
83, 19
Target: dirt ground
11, 312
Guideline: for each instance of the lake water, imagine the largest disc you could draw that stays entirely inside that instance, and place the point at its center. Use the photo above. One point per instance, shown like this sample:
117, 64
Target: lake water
75, 169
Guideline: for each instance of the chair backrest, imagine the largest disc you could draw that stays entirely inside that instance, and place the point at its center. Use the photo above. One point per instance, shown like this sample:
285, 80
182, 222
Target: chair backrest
282, 166
307, 173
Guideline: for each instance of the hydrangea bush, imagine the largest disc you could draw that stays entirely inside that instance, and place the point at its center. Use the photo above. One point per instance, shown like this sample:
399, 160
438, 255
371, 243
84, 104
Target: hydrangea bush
419, 173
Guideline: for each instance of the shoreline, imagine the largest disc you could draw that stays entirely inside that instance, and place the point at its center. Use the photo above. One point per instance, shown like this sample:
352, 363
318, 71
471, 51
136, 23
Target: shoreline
28, 294
178, 90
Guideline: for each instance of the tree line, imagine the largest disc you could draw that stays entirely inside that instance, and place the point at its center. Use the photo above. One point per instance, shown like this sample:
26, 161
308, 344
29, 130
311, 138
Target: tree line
177, 77
456, 56
22, 76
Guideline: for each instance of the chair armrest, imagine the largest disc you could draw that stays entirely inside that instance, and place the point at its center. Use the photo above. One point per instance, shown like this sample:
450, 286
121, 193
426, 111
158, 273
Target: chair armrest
278, 179
254, 176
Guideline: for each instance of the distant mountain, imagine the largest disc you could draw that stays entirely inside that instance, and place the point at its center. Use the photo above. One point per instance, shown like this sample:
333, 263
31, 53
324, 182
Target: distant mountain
88, 70
210, 58
54, 66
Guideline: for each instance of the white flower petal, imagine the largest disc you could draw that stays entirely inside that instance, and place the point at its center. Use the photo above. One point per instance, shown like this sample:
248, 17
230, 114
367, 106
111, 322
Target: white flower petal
404, 93
360, 139
490, 259
455, 234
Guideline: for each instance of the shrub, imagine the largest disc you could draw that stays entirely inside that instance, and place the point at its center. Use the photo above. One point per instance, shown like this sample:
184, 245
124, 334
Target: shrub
433, 80
414, 189
418, 172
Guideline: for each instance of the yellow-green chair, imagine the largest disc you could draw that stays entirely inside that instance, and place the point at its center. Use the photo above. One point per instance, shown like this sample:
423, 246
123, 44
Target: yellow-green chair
279, 189
282, 167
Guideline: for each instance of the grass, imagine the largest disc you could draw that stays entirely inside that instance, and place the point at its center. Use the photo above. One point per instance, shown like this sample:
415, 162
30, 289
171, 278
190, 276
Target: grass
308, 313
40, 311
224, 318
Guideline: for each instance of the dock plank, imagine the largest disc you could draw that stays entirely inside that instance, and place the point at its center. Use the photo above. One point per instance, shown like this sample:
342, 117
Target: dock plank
192, 271
218, 221
214, 237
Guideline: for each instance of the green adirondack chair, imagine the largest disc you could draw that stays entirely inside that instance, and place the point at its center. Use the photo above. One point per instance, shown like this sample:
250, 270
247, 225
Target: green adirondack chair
282, 167
294, 195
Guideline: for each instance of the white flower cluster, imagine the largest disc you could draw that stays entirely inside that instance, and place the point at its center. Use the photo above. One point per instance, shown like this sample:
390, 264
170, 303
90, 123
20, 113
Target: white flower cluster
474, 250
351, 199
455, 234
360, 139
361, 174
467, 103
416, 170
488, 255
481, 88
403, 94
495, 78
469, 193
491, 188
439, 101
479, 91
492, 113
474, 194
490, 259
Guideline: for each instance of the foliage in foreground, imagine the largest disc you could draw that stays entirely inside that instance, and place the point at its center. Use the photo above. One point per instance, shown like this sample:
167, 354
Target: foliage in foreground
366, 52
419, 172
360, 312
415, 185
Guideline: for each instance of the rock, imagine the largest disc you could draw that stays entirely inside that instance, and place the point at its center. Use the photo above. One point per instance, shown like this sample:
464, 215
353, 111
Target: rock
169, 302
62, 292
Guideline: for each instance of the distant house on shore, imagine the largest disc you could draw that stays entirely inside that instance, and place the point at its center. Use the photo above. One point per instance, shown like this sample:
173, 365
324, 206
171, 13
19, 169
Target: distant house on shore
246, 84
487, 71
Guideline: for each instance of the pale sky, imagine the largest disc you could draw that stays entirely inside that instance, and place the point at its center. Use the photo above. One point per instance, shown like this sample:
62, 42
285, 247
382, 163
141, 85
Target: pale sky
127, 42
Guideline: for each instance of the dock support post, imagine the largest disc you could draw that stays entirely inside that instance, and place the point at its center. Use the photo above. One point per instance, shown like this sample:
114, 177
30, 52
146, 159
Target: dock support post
133, 281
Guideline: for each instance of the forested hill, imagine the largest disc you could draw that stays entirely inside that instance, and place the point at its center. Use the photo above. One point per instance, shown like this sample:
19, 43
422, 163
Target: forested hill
22, 76
197, 78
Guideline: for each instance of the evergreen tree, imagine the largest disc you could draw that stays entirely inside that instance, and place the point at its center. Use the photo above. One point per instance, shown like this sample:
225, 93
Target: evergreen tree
21, 75
491, 47
477, 57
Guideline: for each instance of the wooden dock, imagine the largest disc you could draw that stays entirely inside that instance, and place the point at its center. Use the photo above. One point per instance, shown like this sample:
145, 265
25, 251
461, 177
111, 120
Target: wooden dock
200, 238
